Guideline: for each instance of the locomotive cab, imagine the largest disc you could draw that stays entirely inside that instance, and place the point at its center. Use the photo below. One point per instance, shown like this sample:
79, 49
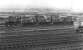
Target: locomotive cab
13, 21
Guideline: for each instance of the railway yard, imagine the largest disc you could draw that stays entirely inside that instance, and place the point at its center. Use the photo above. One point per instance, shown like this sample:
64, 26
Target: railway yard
39, 32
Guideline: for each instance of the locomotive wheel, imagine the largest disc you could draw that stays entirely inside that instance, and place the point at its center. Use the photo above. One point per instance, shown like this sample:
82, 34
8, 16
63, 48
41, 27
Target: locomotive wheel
78, 30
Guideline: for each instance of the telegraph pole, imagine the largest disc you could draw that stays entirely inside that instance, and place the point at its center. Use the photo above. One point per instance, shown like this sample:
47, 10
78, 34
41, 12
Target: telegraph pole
71, 5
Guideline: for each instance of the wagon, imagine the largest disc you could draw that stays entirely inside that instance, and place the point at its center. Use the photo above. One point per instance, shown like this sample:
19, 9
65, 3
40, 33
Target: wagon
78, 24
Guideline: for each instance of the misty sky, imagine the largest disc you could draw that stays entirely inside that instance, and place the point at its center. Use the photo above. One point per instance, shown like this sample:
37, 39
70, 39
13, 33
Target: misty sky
75, 5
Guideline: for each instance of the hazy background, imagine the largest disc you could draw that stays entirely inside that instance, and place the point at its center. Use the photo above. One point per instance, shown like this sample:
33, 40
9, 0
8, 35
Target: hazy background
75, 5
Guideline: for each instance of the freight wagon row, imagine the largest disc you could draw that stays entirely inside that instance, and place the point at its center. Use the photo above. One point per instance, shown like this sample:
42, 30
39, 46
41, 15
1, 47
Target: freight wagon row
36, 19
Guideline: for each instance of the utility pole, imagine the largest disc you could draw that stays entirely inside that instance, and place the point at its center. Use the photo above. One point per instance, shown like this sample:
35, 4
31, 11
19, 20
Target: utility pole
71, 5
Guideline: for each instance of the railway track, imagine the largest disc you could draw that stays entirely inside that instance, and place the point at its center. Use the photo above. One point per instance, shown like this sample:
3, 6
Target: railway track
38, 40
56, 39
